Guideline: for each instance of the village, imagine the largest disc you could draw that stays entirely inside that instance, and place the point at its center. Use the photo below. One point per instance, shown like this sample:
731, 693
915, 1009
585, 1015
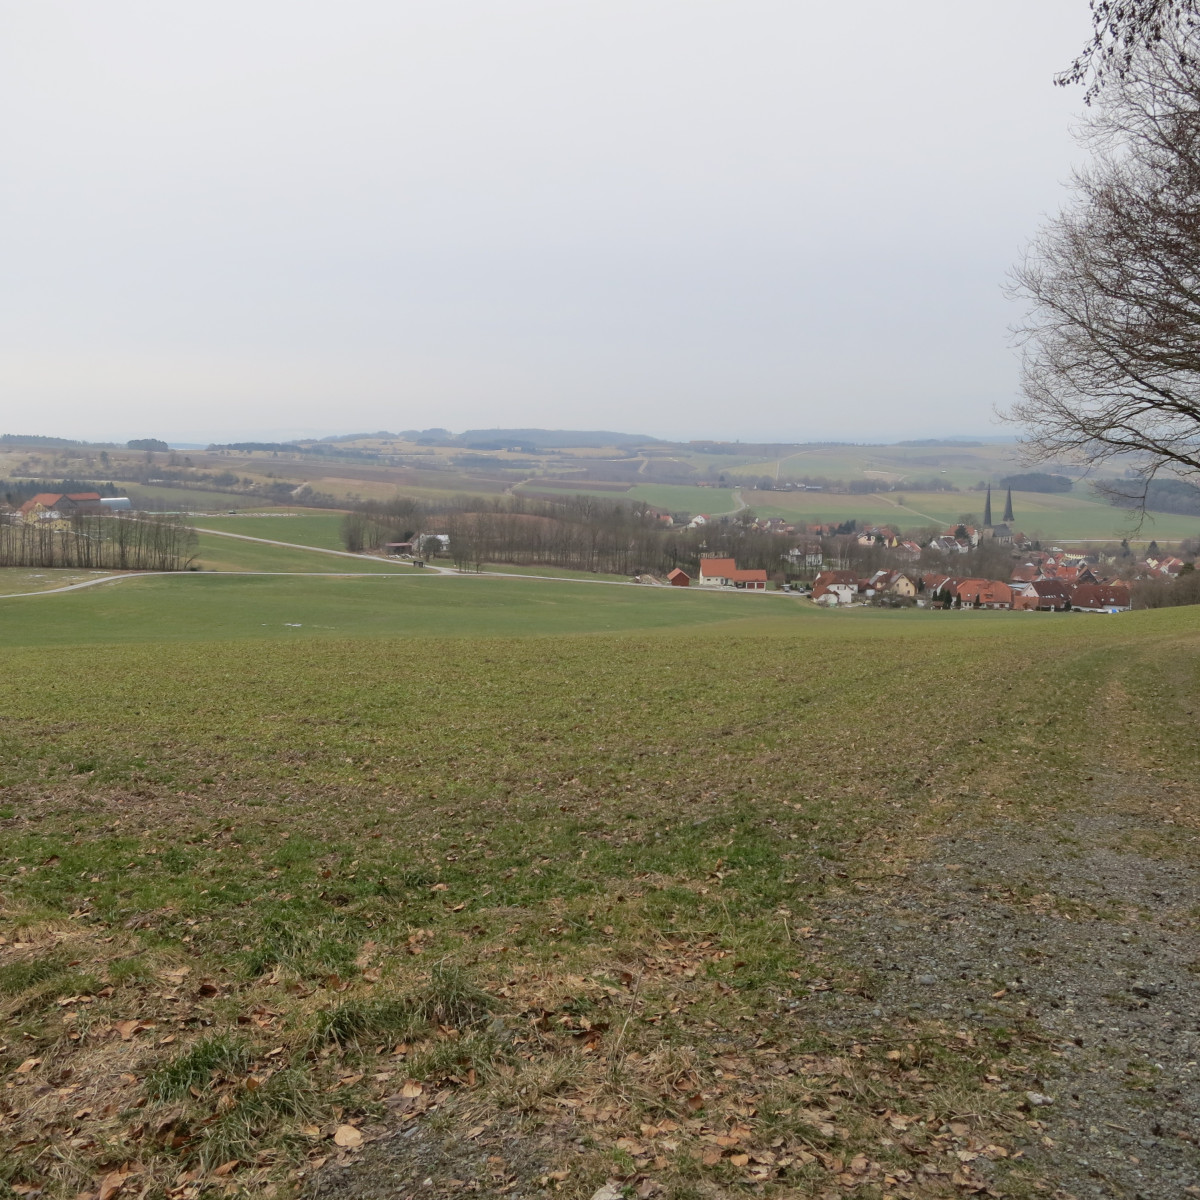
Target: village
1034, 579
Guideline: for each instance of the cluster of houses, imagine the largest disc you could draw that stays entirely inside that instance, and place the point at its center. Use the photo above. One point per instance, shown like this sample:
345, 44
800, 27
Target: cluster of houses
1073, 588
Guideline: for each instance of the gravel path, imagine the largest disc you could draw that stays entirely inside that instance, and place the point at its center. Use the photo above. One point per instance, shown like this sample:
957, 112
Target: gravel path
1068, 927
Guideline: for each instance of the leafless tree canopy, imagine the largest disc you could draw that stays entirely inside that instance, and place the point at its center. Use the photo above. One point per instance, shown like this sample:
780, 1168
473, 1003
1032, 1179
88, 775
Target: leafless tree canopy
1120, 28
1112, 337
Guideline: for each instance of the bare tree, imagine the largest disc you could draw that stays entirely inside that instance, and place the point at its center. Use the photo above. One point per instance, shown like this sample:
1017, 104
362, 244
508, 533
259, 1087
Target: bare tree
1112, 337
1121, 28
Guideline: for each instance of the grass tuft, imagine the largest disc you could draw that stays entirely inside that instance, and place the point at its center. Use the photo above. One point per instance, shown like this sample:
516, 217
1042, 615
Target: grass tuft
450, 998
18, 977
219, 1054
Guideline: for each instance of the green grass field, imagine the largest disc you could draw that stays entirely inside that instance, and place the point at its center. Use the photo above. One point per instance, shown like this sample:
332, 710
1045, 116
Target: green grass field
304, 527
527, 863
190, 607
668, 496
217, 553
16, 580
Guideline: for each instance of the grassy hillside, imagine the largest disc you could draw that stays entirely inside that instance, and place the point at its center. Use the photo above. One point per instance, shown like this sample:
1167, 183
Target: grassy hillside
588, 894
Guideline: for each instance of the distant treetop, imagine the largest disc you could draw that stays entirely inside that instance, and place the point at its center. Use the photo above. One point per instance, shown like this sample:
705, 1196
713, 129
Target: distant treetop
1119, 29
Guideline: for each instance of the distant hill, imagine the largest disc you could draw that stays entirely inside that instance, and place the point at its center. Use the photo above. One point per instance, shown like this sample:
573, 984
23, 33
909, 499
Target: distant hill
551, 439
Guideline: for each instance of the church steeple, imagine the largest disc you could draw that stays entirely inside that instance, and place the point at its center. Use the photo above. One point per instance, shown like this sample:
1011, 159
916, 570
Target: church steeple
987, 509
1008, 512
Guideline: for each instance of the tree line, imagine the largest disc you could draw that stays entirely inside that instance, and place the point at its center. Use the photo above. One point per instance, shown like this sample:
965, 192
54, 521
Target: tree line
113, 542
579, 533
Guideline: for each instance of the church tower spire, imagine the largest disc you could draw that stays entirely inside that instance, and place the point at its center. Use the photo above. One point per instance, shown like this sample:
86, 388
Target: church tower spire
987, 509
1008, 512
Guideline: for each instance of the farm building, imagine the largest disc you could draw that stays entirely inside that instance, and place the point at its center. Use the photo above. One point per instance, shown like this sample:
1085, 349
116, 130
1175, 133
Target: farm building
678, 578
53, 506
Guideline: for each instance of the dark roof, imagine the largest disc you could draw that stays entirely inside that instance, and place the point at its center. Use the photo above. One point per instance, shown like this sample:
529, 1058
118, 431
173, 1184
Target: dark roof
1100, 595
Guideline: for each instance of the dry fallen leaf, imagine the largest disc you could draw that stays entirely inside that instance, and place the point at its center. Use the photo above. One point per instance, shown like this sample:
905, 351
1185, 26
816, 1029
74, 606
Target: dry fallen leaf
411, 1090
27, 1066
111, 1184
226, 1168
347, 1136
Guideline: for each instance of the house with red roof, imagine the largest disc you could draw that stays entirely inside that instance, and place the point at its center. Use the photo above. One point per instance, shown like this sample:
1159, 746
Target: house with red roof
1043, 595
835, 587
724, 572
984, 593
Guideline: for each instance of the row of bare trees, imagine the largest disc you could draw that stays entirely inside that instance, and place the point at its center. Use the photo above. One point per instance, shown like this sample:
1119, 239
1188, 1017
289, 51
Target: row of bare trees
120, 542
580, 533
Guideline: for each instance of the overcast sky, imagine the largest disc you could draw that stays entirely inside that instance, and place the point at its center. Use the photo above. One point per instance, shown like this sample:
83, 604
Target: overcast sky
690, 218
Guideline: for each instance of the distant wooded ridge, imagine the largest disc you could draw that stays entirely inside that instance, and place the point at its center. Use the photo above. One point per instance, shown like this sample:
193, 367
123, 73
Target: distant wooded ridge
1159, 495
1037, 481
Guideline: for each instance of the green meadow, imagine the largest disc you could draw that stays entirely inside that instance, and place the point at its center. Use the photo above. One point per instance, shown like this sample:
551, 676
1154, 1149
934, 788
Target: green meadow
217, 552
303, 527
192, 607
670, 497
528, 862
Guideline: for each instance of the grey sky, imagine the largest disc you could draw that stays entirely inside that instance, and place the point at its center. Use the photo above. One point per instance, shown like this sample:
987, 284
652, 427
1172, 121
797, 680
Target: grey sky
762, 219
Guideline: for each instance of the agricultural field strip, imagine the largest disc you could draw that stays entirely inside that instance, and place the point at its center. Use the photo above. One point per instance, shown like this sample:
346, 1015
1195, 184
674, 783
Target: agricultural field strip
245, 537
